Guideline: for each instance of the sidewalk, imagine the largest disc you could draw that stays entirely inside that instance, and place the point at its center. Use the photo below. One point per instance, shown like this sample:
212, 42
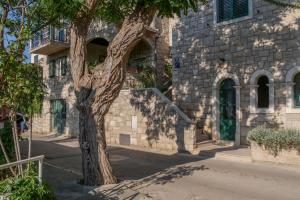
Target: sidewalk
146, 175
230, 153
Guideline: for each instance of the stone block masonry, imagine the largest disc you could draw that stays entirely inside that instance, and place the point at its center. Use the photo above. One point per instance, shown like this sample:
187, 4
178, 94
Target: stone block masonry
149, 119
267, 40
61, 87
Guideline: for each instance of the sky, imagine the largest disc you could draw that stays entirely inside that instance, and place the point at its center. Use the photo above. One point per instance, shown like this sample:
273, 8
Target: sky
9, 38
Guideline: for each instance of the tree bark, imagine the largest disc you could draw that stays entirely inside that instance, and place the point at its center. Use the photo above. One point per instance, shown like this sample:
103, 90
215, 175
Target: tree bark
30, 136
6, 157
16, 141
2, 25
96, 90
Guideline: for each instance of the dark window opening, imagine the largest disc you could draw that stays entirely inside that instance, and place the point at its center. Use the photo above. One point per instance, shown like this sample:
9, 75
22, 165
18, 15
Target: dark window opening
231, 9
52, 68
263, 92
58, 67
36, 59
297, 91
63, 66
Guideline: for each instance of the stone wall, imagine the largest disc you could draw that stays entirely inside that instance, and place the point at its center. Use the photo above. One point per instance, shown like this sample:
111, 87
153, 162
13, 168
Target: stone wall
57, 88
268, 40
62, 87
148, 119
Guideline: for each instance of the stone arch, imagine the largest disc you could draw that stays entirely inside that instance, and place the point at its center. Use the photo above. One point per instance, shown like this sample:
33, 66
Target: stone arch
290, 90
100, 29
216, 106
97, 50
224, 76
292, 73
142, 55
257, 74
254, 94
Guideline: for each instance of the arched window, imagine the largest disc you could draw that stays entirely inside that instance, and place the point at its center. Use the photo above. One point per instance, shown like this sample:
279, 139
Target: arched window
293, 90
262, 92
263, 97
297, 91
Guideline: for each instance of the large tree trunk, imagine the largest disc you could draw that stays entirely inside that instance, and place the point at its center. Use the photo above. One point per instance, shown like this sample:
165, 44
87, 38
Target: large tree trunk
96, 90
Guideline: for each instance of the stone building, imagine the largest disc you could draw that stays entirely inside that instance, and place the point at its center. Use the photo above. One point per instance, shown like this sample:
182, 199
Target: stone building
132, 118
238, 66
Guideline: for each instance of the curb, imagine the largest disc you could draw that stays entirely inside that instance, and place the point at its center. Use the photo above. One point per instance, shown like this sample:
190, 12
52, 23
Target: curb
233, 158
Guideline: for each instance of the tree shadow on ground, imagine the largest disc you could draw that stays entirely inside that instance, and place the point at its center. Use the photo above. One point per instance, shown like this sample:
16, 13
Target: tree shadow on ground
135, 169
133, 189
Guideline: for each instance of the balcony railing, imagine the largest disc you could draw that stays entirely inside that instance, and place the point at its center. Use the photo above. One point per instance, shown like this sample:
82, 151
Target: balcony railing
49, 40
49, 35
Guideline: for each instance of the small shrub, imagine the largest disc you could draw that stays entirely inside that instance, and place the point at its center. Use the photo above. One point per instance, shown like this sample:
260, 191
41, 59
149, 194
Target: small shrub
275, 140
26, 187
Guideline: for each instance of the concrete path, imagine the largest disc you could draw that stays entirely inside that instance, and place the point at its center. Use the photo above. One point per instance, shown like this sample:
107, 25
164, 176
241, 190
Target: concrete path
149, 175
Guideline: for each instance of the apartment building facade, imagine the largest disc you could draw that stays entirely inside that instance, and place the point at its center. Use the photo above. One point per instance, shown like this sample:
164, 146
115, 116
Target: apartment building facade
237, 66
50, 48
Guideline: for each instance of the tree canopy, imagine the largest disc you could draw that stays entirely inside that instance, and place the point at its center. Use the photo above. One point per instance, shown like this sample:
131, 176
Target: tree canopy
107, 10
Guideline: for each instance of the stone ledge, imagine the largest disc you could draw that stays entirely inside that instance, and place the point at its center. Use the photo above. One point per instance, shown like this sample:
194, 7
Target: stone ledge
258, 153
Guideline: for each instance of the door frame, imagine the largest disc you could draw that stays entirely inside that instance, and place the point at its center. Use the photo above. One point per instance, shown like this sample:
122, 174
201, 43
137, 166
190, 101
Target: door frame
216, 106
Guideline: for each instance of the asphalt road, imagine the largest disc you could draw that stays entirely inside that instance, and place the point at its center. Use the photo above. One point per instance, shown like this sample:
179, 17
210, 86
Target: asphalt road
148, 175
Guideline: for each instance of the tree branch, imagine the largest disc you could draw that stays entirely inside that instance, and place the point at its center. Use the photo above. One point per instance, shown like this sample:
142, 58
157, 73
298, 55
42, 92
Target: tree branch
110, 83
78, 50
2, 25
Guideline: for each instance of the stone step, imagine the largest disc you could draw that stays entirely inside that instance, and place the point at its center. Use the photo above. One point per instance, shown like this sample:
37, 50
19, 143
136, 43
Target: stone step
202, 137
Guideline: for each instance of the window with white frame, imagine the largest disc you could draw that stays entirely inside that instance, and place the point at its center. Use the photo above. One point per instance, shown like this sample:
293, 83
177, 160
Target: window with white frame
262, 92
293, 90
58, 67
231, 10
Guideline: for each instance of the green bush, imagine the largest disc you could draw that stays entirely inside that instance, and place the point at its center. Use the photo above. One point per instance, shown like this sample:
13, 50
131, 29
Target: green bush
275, 140
26, 187
7, 138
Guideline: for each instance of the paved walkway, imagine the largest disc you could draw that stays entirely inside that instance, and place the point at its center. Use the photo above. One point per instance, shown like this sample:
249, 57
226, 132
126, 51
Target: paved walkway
149, 175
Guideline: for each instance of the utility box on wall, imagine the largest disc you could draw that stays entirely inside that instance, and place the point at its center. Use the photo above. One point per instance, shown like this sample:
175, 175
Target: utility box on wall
134, 123
124, 139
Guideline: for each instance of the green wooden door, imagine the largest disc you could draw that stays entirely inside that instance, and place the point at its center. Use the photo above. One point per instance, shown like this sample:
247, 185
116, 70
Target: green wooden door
227, 110
58, 116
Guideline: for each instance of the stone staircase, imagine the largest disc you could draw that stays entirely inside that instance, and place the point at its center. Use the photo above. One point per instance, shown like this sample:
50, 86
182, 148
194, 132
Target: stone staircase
148, 118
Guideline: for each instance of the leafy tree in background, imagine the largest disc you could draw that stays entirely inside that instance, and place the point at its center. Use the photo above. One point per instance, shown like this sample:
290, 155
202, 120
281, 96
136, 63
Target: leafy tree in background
97, 88
21, 88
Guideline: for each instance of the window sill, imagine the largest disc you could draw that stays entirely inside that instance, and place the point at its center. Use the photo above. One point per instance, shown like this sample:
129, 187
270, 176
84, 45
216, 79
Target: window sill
262, 111
293, 110
217, 24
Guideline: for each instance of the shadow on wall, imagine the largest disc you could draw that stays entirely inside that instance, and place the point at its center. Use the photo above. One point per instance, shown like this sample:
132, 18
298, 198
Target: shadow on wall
61, 88
269, 40
165, 123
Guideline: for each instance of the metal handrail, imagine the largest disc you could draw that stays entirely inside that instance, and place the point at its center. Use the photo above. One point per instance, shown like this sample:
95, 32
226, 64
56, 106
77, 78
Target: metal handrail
26, 161
49, 34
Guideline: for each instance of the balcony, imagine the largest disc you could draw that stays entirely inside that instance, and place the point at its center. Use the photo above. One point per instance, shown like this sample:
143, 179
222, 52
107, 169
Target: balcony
49, 40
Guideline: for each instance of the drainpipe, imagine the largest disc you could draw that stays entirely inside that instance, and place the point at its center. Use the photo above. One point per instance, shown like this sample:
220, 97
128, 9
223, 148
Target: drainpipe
155, 58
